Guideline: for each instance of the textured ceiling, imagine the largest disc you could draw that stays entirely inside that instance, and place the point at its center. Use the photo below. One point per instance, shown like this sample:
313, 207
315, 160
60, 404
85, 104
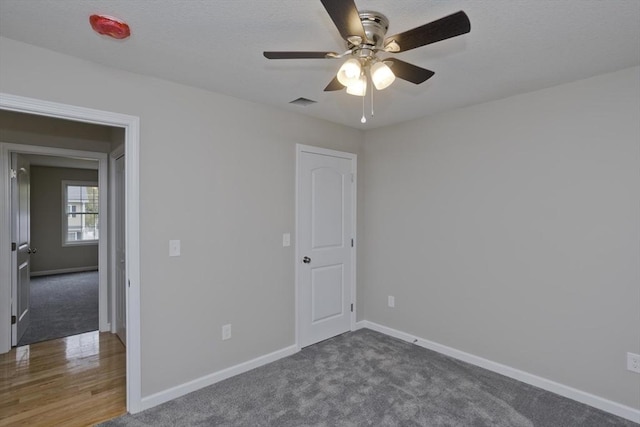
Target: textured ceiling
514, 46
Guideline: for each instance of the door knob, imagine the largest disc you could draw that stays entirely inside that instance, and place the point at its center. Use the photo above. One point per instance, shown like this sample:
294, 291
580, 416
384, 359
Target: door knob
32, 251
306, 260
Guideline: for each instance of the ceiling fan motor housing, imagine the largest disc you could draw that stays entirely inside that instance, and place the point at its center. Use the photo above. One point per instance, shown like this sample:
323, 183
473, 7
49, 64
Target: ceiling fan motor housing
375, 26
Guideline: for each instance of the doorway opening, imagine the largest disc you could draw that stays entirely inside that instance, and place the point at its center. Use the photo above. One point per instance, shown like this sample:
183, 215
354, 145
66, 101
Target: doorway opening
129, 128
62, 220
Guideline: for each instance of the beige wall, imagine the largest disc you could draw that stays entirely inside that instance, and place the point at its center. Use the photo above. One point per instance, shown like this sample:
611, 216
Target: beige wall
217, 173
46, 221
510, 230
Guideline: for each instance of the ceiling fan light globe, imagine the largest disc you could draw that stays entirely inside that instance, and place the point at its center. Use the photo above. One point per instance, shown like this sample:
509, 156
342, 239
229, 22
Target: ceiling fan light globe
381, 75
358, 87
349, 72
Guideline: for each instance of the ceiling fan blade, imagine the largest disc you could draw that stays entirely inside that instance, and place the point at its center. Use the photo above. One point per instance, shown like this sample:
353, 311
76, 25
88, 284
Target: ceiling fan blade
298, 55
409, 72
441, 29
344, 14
334, 85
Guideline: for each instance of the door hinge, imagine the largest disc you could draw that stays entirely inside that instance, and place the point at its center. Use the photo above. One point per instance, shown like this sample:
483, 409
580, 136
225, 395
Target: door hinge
352, 307
351, 242
13, 320
13, 246
352, 178
13, 173
129, 283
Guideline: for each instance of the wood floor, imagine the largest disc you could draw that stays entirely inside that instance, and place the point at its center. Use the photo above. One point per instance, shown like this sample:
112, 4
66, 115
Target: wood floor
73, 381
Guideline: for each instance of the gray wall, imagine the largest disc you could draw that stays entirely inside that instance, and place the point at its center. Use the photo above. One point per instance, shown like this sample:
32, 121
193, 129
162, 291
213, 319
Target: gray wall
217, 173
510, 230
20, 128
46, 221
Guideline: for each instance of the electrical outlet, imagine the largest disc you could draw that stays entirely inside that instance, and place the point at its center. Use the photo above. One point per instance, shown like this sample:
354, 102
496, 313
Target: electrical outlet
391, 301
633, 362
226, 331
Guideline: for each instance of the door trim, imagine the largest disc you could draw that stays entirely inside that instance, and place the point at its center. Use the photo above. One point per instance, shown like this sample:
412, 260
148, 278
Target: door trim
131, 125
113, 156
300, 148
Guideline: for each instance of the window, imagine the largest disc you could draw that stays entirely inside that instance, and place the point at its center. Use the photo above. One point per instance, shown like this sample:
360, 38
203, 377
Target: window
80, 222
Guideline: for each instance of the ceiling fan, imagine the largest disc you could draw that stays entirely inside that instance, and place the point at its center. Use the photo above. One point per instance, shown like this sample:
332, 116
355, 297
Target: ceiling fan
364, 33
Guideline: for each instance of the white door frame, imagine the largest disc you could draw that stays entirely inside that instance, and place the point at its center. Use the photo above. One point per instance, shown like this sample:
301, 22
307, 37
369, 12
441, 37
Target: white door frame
113, 156
300, 148
131, 125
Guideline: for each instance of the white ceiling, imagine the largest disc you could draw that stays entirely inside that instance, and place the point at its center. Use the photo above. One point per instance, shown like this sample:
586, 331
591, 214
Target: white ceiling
514, 46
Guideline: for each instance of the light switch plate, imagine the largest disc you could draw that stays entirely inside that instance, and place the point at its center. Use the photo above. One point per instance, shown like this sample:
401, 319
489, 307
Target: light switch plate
226, 331
174, 247
633, 362
286, 240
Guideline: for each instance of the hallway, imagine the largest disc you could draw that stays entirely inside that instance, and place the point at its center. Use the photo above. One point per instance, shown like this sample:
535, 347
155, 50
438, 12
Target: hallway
74, 381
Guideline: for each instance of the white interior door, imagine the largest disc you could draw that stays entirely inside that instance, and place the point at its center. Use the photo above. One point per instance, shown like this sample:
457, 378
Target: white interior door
20, 224
325, 229
121, 275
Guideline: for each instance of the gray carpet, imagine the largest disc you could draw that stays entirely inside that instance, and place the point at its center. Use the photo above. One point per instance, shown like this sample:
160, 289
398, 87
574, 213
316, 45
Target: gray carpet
62, 305
364, 378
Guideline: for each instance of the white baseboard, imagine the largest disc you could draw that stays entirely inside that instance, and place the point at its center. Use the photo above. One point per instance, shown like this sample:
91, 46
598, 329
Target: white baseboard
207, 380
64, 271
603, 404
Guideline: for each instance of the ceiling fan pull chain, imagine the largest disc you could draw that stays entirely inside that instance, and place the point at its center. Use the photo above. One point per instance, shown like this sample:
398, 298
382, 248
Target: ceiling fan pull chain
363, 119
372, 90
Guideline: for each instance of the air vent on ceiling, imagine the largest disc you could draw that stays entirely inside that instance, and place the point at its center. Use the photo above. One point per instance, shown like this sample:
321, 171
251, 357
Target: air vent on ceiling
303, 102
